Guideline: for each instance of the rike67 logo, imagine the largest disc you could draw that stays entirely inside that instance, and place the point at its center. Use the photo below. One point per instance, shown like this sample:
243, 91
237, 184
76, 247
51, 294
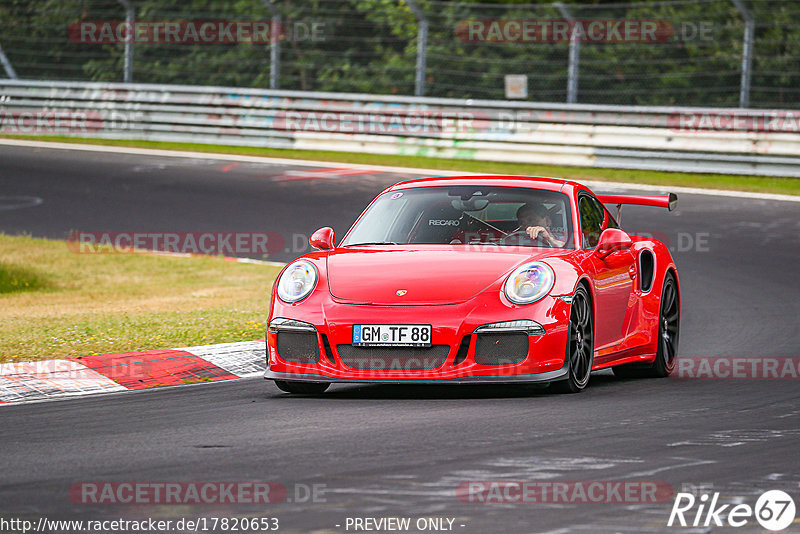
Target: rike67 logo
774, 510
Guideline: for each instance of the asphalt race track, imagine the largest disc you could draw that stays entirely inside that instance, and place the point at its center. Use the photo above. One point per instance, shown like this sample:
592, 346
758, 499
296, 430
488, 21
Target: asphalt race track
381, 451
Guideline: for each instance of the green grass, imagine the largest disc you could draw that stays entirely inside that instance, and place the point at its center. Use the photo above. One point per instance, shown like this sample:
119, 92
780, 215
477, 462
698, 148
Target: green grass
14, 279
55, 303
759, 184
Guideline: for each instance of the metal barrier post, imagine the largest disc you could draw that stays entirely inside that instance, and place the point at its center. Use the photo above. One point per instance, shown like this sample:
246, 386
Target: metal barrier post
274, 45
7, 65
574, 55
747, 53
130, 19
422, 46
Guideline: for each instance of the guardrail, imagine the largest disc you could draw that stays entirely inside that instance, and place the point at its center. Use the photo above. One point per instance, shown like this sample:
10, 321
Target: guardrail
728, 141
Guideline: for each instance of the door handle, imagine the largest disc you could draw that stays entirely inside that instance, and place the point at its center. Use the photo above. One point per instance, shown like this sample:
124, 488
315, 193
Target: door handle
632, 271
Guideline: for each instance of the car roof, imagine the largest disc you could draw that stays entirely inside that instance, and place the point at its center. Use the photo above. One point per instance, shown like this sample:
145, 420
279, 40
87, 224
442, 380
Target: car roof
533, 182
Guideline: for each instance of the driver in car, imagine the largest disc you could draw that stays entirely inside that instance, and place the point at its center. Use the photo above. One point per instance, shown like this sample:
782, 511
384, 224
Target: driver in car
535, 221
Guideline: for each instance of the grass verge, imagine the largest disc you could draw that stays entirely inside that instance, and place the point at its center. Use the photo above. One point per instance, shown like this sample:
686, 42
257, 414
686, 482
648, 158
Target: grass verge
757, 184
80, 304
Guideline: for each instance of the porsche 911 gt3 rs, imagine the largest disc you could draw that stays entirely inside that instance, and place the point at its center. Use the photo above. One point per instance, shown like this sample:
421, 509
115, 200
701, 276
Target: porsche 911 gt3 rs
477, 279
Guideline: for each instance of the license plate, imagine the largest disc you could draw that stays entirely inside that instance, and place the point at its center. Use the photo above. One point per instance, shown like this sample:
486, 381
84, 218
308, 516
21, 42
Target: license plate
392, 335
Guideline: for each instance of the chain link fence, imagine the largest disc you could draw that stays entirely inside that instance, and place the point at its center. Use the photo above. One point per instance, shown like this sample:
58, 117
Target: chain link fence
732, 53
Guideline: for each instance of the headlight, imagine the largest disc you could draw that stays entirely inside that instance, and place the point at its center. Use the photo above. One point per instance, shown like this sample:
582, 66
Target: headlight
297, 281
529, 283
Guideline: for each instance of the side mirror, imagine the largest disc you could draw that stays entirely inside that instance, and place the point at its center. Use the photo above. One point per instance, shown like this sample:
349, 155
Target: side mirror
612, 240
323, 239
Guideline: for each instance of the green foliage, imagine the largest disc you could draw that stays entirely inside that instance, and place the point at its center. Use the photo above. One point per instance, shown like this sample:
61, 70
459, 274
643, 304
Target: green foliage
370, 46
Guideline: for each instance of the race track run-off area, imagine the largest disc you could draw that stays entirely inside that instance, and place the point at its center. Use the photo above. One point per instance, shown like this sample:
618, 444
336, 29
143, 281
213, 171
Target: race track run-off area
415, 452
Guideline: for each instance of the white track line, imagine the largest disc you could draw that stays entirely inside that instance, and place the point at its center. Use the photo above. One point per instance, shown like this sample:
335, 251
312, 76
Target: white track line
383, 168
243, 359
48, 379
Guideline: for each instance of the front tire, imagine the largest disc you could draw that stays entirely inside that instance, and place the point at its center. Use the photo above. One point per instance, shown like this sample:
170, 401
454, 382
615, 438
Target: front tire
668, 334
302, 388
580, 344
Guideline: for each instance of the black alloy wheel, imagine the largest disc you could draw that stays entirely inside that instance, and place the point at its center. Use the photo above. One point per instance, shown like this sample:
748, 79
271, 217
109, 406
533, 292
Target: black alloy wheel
580, 344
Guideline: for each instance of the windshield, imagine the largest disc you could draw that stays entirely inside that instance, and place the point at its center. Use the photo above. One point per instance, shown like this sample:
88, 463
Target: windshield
466, 215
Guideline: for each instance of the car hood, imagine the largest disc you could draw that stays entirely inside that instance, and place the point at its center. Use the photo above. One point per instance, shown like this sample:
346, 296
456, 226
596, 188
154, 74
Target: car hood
434, 274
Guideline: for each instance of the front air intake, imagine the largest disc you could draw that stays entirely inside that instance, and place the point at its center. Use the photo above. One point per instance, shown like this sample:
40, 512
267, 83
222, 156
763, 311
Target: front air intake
298, 347
463, 350
501, 348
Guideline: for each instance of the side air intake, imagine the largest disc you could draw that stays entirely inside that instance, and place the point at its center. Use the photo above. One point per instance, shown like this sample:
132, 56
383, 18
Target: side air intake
647, 269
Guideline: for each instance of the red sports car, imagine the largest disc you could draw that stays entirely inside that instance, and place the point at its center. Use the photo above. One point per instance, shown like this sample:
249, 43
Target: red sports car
477, 279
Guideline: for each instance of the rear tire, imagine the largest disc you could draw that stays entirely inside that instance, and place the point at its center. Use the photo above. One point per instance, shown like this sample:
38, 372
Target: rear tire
302, 388
668, 334
580, 345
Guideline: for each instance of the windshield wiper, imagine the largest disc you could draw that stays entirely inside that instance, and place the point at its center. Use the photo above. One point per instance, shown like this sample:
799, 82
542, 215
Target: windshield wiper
372, 243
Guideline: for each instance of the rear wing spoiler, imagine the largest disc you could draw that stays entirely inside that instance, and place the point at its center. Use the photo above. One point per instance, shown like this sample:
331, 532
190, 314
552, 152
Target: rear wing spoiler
669, 201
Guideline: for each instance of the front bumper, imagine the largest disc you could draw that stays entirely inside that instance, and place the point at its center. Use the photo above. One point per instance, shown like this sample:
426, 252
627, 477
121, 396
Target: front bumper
502, 379
454, 337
